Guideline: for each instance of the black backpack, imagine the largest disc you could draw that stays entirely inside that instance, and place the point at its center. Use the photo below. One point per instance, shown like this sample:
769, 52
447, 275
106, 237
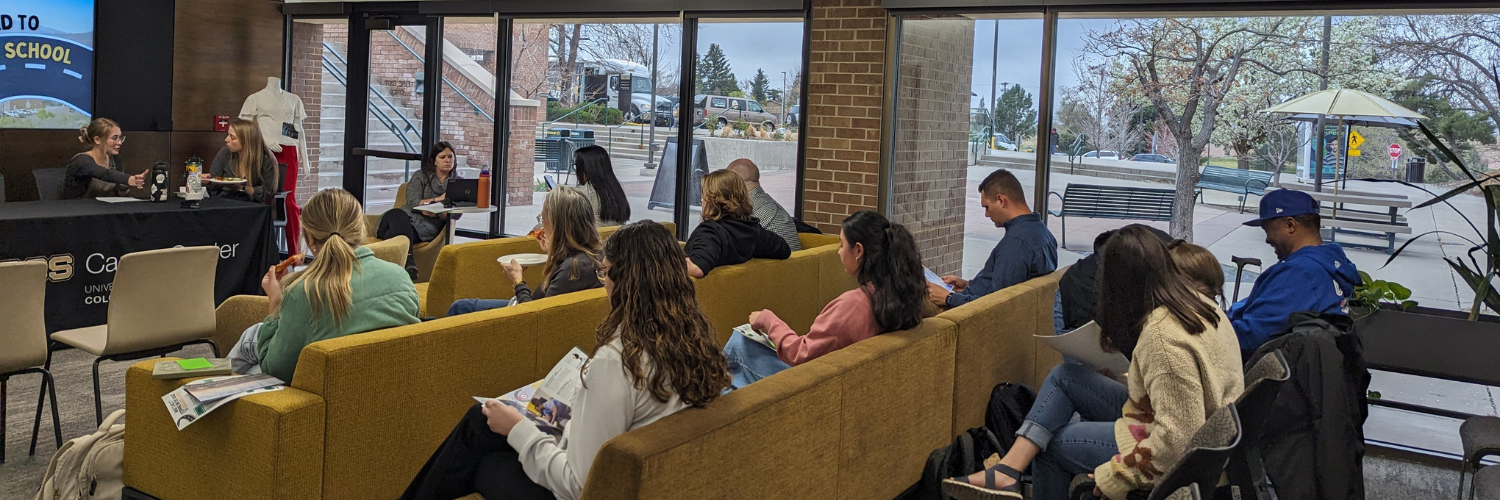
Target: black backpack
1008, 406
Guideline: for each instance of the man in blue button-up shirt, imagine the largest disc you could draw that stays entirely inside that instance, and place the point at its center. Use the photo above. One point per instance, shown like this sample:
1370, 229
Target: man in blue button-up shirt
1027, 250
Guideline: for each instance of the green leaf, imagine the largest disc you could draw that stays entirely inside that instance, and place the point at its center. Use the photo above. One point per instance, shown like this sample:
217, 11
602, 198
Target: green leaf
1408, 305
1372, 394
1400, 292
1364, 278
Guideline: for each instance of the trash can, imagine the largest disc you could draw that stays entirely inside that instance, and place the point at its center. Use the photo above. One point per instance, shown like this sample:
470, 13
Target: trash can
1416, 169
582, 137
559, 132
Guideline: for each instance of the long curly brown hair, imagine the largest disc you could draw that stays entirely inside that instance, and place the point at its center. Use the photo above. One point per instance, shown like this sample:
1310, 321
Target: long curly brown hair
655, 313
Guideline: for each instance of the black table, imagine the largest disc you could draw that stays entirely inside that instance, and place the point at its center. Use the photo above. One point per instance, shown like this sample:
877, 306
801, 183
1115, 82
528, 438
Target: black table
83, 240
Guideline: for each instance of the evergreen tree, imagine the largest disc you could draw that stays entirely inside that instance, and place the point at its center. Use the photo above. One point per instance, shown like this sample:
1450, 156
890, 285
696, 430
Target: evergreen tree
716, 74
758, 86
1015, 115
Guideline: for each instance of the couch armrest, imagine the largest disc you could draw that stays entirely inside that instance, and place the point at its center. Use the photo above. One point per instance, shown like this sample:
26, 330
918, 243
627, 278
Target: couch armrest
235, 315
265, 446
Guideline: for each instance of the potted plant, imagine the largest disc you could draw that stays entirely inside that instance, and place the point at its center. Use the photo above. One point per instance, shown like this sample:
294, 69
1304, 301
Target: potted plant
1457, 345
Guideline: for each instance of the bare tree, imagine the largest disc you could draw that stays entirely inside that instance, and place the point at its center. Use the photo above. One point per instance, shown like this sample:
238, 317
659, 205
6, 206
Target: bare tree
1185, 68
565, 50
1461, 53
1282, 141
529, 47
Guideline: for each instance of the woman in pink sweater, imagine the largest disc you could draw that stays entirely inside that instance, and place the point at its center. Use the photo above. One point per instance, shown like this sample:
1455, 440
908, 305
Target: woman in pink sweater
882, 257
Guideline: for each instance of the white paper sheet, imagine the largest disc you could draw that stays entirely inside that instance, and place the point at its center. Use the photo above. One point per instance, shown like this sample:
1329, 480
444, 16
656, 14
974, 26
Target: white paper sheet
117, 199
1083, 344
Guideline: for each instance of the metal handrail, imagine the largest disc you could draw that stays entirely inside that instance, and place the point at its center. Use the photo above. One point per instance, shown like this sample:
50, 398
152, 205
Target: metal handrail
385, 119
445, 79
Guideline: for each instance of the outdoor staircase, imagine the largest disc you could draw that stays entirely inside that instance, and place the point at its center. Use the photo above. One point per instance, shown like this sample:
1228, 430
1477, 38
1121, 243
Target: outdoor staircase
383, 175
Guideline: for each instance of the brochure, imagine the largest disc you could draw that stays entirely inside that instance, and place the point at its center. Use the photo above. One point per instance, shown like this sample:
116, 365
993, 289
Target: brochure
548, 403
185, 409
935, 279
211, 389
758, 337
1083, 344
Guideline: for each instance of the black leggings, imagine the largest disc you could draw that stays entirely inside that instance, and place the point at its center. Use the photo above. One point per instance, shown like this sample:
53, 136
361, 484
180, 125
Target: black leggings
396, 222
474, 459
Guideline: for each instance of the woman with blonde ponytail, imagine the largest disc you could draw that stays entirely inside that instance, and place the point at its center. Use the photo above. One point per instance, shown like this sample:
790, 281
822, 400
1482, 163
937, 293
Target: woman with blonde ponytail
346, 290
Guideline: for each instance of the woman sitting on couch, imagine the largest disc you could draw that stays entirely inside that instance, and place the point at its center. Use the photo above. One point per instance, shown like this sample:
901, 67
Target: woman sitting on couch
882, 257
346, 290
729, 233
572, 246
1184, 365
655, 356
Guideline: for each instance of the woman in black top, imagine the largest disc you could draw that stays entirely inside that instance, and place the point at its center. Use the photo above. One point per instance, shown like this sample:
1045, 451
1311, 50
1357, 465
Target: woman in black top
97, 172
244, 156
729, 233
572, 246
597, 182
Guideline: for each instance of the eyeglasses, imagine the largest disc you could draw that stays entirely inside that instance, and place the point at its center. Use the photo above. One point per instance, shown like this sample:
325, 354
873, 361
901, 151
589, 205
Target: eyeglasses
120, 139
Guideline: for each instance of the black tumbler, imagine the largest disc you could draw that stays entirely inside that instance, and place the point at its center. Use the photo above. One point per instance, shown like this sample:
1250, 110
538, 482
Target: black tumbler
159, 184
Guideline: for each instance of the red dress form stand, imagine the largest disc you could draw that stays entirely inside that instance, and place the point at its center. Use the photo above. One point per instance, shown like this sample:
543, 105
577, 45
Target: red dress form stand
288, 155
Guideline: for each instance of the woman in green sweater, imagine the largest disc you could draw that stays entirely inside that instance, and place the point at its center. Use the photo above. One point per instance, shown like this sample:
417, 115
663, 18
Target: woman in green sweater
346, 290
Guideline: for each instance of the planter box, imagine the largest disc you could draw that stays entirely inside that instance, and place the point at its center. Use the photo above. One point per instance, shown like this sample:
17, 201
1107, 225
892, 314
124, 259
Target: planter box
1431, 343
767, 155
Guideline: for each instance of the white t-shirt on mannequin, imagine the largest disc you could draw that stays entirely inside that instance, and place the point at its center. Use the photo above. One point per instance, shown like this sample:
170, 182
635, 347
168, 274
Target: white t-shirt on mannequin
279, 114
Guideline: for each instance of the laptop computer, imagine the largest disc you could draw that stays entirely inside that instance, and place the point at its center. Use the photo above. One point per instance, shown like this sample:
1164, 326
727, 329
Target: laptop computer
462, 192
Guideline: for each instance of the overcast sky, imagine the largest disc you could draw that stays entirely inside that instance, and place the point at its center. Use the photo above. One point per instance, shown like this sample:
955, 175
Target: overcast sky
1020, 61
773, 47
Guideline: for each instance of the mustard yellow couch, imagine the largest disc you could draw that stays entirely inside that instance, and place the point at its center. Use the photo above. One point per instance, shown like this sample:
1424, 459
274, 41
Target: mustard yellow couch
364, 411
472, 271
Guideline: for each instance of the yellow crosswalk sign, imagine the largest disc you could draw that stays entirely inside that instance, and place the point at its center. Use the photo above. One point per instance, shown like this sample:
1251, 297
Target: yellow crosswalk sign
1355, 141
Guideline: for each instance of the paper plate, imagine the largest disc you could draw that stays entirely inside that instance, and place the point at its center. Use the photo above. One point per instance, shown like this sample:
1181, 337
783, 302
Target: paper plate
525, 259
217, 180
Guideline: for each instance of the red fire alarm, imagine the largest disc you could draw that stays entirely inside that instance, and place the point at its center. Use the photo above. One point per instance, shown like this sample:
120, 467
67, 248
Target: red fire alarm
221, 123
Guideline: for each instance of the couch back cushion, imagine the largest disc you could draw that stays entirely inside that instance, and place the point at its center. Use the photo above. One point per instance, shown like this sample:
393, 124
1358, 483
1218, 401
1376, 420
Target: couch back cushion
996, 344
472, 271
792, 288
856, 423
393, 395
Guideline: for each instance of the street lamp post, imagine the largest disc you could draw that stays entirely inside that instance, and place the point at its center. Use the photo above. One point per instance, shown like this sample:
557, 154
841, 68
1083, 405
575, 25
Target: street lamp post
783, 99
651, 152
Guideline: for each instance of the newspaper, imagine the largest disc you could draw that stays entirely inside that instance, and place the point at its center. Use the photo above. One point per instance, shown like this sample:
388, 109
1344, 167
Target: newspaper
211, 389
185, 409
548, 403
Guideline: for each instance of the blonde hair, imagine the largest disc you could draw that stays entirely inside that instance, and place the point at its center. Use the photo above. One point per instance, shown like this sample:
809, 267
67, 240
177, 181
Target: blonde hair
1199, 268
99, 128
333, 219
724, 195
252, 149
573, 232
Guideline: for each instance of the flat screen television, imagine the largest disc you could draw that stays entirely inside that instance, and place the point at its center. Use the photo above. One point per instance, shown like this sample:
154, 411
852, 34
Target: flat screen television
46, 64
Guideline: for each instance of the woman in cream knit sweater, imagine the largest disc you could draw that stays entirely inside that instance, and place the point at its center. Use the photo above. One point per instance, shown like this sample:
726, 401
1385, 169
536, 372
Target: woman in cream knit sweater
1185, 363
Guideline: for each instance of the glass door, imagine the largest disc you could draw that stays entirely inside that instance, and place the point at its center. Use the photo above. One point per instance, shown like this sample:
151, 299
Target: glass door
394, 111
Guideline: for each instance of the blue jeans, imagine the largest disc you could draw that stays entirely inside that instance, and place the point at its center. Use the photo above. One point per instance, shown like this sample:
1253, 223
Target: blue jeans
466, 306
750, 361
1068, 447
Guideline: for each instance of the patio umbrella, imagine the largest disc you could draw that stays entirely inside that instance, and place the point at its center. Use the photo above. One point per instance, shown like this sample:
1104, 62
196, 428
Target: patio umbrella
1347, 106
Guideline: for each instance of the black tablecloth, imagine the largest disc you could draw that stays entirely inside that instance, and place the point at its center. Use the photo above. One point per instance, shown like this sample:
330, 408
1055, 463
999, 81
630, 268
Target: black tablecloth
83, 240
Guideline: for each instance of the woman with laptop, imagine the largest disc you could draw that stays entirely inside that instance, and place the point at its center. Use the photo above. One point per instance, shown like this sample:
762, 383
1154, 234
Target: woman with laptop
428, 186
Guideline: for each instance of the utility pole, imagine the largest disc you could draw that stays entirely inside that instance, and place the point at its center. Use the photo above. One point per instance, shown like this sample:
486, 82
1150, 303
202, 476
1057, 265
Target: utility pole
651, 152
784, 108
994, 70
1322, 85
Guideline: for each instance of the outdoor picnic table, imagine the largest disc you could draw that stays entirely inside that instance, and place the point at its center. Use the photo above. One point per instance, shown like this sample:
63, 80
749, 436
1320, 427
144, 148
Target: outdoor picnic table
1384, 222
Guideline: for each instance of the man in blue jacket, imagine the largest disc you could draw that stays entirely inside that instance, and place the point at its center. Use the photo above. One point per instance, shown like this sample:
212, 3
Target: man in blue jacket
1310, 276
1026, 251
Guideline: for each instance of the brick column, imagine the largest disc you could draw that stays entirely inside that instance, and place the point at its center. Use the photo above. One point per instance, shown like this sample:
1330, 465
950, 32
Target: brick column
930, 171
843, 110
307, 83
520, 150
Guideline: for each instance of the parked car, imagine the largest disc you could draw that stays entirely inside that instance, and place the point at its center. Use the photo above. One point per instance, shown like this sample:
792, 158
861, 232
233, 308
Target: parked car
1103, 155
1152, 158
723, 110
1003, 143
793, 115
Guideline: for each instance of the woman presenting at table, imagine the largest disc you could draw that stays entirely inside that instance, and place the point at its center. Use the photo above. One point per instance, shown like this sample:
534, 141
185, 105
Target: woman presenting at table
428, 186
243, 156
97, 172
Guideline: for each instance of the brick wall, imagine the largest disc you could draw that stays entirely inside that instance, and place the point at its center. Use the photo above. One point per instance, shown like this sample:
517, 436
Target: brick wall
307, 82
520, 155
929, 171
844, 109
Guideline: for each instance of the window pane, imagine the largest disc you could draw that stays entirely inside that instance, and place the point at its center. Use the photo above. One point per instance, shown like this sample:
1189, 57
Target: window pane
750, 72
468, 100
965, 110
566, 95
319, 73
394, 114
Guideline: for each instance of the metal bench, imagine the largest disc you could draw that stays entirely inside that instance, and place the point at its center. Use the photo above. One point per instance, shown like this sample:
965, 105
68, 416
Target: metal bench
1233, 180
1113, 202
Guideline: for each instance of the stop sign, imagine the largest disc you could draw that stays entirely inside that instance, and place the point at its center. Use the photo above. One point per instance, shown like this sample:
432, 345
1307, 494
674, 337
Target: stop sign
1394, 151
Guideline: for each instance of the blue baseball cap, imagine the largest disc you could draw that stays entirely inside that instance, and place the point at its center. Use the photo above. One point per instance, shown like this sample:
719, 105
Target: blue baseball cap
1284, 203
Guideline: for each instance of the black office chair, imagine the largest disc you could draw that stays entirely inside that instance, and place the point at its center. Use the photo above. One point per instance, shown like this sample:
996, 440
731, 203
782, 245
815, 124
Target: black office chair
49, 183
1263, 382
1203, 464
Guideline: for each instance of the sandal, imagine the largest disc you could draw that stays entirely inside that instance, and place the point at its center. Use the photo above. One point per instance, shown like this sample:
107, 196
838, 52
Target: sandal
960, 489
